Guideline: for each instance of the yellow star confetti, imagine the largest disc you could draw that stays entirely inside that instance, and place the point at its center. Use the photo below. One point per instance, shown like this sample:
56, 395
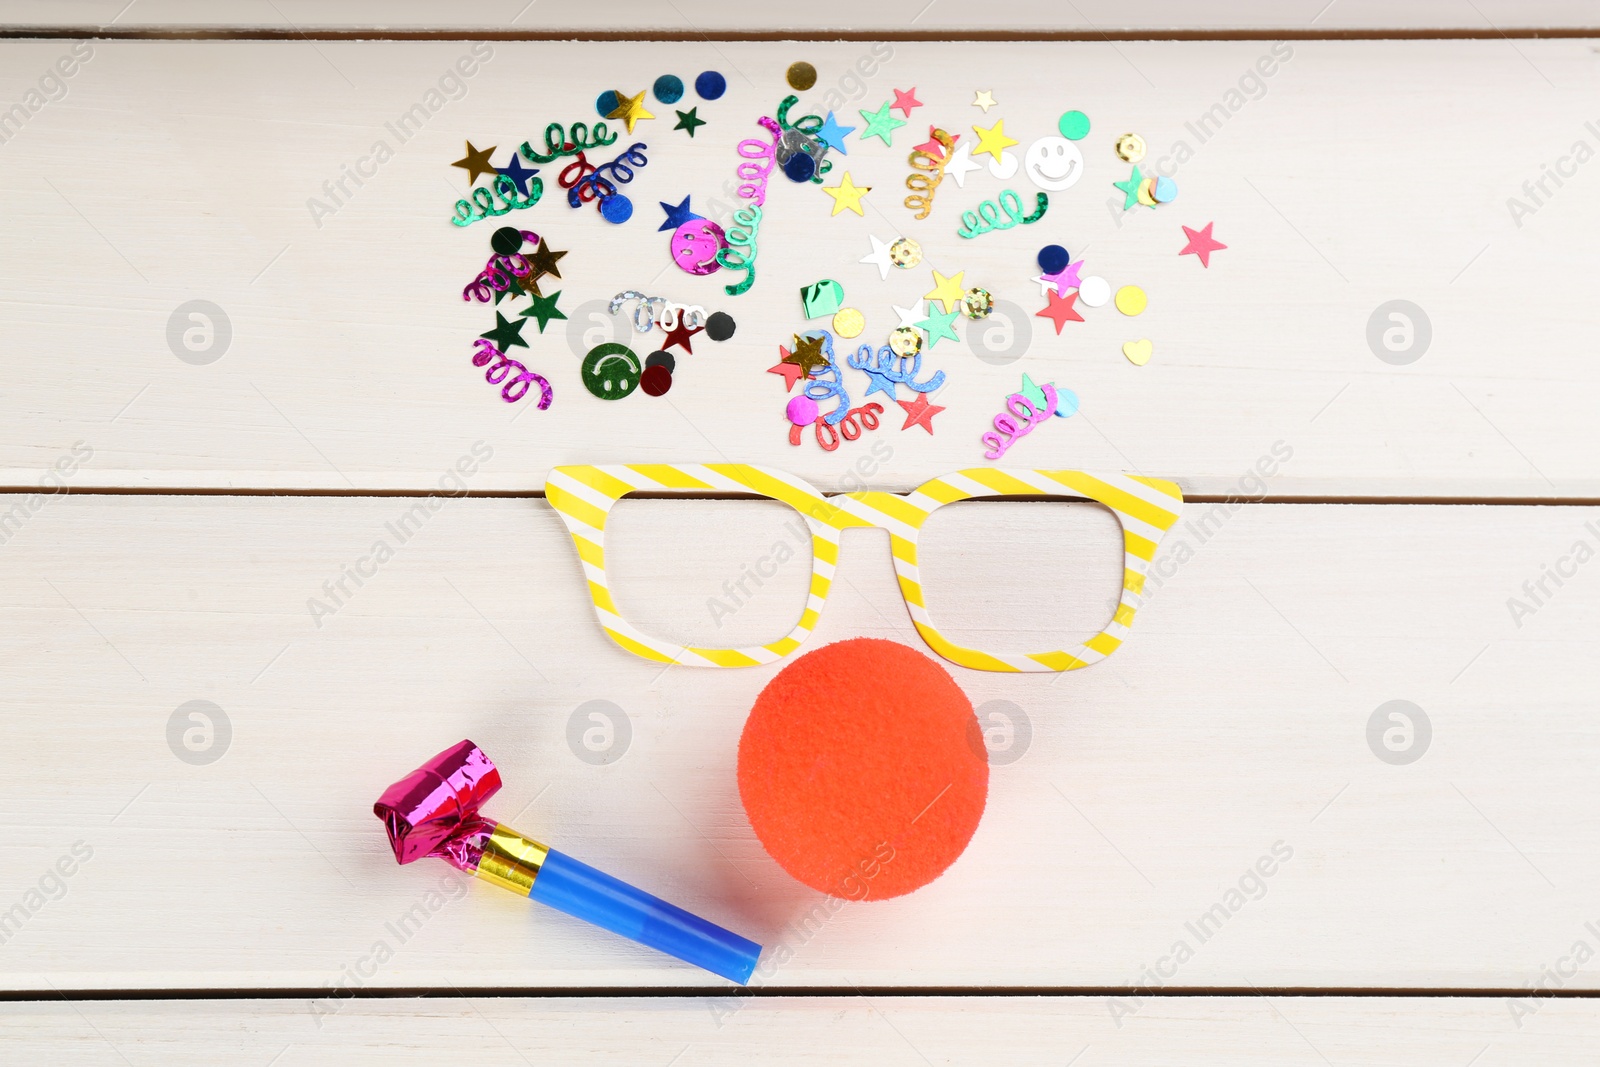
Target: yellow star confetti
630, 109
847, 194
949, 291
993, 140
984, 100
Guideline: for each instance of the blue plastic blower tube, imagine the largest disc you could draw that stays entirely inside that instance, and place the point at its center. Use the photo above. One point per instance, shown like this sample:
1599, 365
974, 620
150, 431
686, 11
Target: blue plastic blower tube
581, 891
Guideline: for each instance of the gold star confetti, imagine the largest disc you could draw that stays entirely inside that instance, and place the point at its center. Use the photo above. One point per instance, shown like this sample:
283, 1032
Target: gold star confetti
807, 354
630, 109
847, 194
949, 291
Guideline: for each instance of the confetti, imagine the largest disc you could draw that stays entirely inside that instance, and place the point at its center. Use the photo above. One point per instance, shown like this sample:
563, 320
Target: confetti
905, 253
1138, 352
610, 371
849, 322
1052, 258
543, 309
476, 162
984, 99
880, 124
987, 216
847, 195
668, 88
506, 334
905, 100
1131, 300
919, 412
801, 76
483, 198
880, 256
500, 371
1130, 148
710, 85
821, 298
1130, 188
947, 290
689, 120
677, 214
977, 304
1018, 406
558, 143
1060, 310
930, 158
993, 140
938, 325
833, 135
1074, 125
1201, 244
1094, 291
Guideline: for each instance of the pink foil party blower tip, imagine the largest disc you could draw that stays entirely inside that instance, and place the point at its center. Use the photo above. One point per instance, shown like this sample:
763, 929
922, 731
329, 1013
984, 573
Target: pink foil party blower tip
434, 811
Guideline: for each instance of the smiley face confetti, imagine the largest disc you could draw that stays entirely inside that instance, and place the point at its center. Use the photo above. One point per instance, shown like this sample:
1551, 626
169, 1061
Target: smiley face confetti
611, 371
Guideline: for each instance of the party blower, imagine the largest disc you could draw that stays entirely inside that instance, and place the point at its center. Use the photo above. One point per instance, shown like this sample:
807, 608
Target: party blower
433, 811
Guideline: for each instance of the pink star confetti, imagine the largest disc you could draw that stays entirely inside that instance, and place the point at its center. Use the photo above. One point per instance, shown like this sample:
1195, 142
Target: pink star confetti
906, 100
1201, 244
1065, 278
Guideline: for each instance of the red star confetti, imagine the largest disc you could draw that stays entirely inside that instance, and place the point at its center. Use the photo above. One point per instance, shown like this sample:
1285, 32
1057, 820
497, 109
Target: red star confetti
1201, 244
919, 412
932, 147
792, 372
1060, 311
680, 334
906, 100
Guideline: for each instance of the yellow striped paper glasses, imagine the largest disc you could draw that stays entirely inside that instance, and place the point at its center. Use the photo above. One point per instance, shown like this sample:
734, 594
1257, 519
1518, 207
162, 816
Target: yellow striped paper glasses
584, 496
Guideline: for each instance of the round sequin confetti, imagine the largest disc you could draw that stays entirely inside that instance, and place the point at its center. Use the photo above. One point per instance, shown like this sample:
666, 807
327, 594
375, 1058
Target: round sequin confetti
1094, 291
1074, 125
799, 167
848, 322
507, 240
720, 326
610, 371
1131, 300
905, 253
976, 303
661, 359
905, 341
655, 380
1053, 259
1130, 148
1066, 403
802, 76
1147, 192
710, 85
668, 88
1166, 191
801, 410
606, 102
616, 208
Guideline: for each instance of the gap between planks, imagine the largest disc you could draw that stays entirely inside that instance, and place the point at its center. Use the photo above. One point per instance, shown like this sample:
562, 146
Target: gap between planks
781, 993
987, 36
538, 494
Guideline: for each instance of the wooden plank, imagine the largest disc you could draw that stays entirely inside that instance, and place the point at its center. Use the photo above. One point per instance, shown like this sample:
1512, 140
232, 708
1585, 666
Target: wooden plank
348, 362
900, 16
912, 1031
1138, 801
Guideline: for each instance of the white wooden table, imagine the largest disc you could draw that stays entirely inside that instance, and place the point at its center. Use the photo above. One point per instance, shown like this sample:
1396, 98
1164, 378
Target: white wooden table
215, 911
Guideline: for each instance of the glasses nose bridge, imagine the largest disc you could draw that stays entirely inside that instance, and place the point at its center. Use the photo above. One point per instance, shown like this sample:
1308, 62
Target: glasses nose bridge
873, 499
